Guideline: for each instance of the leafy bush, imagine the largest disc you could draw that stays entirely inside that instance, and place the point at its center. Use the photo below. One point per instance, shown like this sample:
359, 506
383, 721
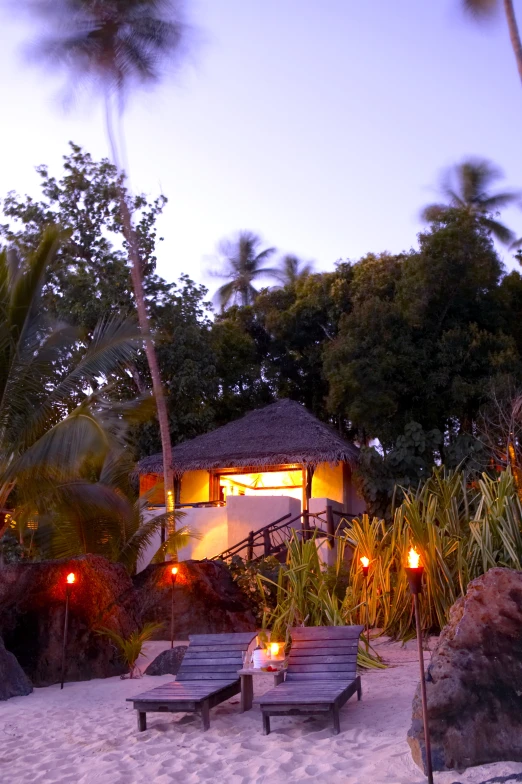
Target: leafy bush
131, 647
245, 575
460, 530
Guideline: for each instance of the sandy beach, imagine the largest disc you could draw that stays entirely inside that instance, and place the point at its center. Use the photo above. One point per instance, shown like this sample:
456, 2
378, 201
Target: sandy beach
87, 733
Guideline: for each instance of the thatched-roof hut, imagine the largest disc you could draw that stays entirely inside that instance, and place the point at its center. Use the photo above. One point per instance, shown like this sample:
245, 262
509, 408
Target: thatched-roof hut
279, 449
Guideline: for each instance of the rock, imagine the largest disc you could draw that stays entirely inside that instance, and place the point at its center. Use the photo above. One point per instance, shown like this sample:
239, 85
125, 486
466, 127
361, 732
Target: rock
168, 662
13, 680
32, 609
474, 680
206, 600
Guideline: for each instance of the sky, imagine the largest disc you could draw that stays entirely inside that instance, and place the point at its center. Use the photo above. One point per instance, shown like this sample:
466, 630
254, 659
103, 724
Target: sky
321, 125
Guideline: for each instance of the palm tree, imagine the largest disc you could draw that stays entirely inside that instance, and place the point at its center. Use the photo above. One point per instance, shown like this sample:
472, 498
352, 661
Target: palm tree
292, 270
485, 8
242, 259
466, 187
56, 413
114, 45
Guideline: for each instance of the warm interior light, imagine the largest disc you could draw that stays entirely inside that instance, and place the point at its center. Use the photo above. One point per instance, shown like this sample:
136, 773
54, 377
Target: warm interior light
71, 578
288, 483
365, 561
413, 559
174, 570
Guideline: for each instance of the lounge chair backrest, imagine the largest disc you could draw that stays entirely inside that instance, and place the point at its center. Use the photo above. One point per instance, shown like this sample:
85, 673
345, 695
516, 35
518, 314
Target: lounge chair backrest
326, 653
215, 657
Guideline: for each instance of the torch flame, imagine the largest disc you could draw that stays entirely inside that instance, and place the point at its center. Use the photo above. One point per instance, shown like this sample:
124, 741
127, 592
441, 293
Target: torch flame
413, 559
274, 648
71, 578
365, 561
174, 570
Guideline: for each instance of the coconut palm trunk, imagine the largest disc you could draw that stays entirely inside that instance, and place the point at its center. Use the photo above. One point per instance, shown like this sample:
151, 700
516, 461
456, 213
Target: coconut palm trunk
144, 322
514, 34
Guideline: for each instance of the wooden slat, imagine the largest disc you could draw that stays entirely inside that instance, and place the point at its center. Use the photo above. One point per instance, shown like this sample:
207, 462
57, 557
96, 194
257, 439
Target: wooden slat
178, 691
213, 648
193, 661
322, 667
303, 660
209, 652
243, 638
344, 646
210, 667
205, 676
326, 632
321, 676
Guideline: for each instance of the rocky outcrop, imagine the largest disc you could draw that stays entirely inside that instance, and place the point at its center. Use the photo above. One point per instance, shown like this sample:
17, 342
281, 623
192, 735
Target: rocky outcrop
474, 680
13, 680
168, 662
32, 608
206, 600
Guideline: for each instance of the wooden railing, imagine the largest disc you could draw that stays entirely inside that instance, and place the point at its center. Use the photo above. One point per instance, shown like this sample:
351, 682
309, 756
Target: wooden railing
272, 539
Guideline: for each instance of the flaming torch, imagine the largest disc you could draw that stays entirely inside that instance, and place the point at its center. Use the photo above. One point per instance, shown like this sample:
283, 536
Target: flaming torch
365, 563
173, 575
70, 580
415, 571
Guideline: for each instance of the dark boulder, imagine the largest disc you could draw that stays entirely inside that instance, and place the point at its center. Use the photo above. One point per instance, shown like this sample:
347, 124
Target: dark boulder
168, 662
13, 680
474, 680
32, 609
206, 600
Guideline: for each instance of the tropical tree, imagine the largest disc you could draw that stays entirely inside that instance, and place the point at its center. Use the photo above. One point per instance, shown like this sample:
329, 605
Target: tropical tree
486, 8
242, 262
466, 186
114, 45
56, 412
292, 270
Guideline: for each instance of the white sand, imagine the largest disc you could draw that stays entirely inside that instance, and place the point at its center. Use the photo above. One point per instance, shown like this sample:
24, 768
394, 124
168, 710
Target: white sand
87, 734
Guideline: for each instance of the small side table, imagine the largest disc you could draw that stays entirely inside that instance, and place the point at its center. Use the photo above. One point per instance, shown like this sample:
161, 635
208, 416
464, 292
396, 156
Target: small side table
247, 684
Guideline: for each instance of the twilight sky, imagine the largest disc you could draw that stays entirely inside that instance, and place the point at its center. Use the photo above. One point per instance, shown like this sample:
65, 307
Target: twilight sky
320, 124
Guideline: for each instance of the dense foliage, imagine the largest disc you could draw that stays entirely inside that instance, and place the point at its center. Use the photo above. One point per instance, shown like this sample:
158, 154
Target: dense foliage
402, 352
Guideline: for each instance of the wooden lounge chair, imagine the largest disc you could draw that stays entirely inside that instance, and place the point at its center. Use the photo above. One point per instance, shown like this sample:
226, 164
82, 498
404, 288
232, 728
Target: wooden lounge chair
321, 676
208, 675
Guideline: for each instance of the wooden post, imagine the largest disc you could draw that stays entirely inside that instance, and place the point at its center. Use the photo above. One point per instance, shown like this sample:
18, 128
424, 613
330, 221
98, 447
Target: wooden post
306, 526
347, 487
330, 527
267, 544
250, 546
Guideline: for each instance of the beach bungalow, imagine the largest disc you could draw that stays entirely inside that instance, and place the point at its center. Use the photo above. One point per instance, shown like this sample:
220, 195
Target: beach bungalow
240, 477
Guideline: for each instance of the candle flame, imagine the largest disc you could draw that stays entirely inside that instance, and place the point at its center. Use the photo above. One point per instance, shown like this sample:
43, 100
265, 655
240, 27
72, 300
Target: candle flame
365, 561
71, 578
274, 648
413, 559
174, 570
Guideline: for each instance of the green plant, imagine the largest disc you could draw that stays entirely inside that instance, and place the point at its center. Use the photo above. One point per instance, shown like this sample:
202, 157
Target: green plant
304, 597
130, 647
245, 574
460, 529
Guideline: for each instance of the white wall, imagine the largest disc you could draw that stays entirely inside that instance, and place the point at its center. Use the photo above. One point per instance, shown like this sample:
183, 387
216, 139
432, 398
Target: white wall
250, 513
211, 524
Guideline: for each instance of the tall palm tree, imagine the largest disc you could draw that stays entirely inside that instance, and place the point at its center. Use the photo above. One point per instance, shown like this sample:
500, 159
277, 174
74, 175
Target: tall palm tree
114, 45
242, 259
292, 270
486, 8
466, 186
56, 414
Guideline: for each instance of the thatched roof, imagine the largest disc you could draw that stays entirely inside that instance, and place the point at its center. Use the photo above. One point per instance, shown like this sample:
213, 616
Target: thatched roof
282, 433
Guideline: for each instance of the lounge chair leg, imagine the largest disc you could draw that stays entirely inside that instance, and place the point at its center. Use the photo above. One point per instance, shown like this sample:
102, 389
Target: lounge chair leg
142, 721
336, 721
266, 724
205, 715
359, 689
